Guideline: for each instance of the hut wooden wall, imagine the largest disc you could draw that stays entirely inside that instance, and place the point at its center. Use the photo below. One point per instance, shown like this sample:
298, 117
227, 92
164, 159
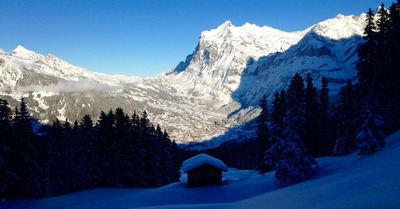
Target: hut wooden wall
204, 175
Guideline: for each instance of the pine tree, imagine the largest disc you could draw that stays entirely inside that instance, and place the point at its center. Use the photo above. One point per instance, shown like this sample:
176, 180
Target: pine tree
346, 121
8, 177
123, 164
72, 156
121, 124
279, 106
263, 133
86, 169
327, 134
279, 109
263, 124
383, 24
295, 105
263, 120
288, 155
5, 121
106, 147
367, 54
176, 159
27, 163
371, 134
144, 125
57, 163
276, 130
379, 60
391, 97
312, 124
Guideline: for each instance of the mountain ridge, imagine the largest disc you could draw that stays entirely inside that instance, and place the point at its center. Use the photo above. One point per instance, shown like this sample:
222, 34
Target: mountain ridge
213, 94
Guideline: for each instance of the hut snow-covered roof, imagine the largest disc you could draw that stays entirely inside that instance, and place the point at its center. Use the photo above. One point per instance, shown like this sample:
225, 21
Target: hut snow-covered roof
200, 160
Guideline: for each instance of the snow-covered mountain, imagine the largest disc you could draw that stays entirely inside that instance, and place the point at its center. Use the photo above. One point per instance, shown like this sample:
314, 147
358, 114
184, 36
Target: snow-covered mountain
213, 94
215, 69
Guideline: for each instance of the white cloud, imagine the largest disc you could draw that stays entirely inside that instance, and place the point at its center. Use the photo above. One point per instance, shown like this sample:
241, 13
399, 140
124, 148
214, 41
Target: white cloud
70, 87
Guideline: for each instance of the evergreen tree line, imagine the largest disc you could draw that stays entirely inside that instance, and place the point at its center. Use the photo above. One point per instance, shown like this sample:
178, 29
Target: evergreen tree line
117, 151
300, 120
301, 110
369, 108
297, 129
244, 155
302, 125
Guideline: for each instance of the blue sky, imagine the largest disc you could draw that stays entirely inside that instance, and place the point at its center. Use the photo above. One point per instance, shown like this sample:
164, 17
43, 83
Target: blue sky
146, 37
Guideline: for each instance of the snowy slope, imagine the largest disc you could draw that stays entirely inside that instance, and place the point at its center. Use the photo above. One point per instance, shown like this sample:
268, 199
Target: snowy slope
339, 182
328, 49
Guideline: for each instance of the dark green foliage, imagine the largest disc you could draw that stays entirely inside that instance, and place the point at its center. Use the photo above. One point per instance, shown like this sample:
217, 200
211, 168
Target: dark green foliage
119, 151
378, 68
371, 134
346, 114
295, 111
279, 108
26, 155
312, 124
262, 121
8, 176
56, 161
288, 155
263, 134
383, 24
379, 74
327, 139
238, 154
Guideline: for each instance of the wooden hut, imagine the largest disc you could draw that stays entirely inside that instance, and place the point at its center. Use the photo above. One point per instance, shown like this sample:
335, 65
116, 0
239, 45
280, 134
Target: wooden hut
203, 170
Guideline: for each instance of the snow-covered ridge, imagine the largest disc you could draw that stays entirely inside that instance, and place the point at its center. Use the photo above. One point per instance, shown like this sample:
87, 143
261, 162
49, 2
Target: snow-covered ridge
20, 51
341, 27
2, 51
50, 65
255, 41
215, 69
211, 95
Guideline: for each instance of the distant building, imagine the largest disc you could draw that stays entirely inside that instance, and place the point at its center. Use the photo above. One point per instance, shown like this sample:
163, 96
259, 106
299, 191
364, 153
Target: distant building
203, 170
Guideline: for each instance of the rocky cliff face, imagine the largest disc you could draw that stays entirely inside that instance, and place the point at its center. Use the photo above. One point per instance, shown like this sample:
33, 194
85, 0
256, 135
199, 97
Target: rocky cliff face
214, 70
213, 94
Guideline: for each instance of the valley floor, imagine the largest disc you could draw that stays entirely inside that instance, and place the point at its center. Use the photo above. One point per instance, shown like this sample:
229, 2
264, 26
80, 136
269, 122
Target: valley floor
339, 182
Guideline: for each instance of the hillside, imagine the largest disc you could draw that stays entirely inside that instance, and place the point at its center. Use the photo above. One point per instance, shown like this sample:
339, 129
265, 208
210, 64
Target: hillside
340, 182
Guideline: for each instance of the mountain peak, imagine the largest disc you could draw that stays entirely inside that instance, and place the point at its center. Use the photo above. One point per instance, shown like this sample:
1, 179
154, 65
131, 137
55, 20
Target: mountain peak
226, 26
20, 48
228, 23
339, 16
222, 31
340, 27
22, 52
